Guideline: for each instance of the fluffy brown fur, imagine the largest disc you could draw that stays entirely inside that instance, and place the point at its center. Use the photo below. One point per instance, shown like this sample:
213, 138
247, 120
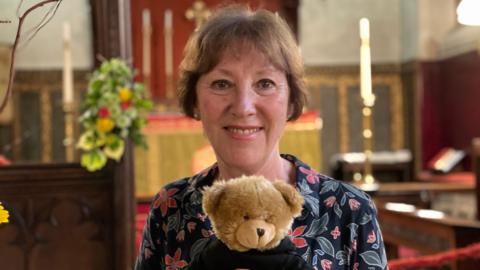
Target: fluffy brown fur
251, 212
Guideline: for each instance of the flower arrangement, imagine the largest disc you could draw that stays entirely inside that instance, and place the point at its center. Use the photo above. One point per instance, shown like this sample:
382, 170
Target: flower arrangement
114, 110
3, 214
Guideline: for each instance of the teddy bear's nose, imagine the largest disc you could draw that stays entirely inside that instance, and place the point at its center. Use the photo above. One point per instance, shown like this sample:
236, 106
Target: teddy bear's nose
260, 232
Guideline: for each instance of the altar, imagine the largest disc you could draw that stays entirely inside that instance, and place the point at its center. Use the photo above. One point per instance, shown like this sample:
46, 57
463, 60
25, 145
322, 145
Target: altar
177, 148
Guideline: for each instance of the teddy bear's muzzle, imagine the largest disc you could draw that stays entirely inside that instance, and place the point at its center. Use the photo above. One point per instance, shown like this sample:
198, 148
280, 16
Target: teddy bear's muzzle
255, 234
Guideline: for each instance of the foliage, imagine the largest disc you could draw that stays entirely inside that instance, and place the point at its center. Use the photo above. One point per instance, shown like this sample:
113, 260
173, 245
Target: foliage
114, 110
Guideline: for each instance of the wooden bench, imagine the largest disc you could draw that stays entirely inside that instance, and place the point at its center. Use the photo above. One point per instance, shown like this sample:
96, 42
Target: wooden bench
63, 217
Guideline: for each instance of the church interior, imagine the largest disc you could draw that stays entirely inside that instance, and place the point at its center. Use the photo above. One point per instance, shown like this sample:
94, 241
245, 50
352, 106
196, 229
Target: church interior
415, 148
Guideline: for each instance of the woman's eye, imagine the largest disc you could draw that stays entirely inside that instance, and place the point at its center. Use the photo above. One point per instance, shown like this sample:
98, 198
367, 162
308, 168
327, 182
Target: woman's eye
246, 217
266, 84
221, 84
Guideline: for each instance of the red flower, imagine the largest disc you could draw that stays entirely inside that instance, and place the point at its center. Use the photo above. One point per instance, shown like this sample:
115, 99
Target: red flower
326, 264
299, 242
330, 201
125, 105
371, 237
335, 232
175, 262
354, 204
355, 266
103, 112
312, 176
164, 200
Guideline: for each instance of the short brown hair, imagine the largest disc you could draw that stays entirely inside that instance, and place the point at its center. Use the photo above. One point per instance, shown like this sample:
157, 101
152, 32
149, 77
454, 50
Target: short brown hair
266, 31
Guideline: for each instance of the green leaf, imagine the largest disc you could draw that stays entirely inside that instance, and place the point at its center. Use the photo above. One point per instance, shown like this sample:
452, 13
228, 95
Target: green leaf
93, 160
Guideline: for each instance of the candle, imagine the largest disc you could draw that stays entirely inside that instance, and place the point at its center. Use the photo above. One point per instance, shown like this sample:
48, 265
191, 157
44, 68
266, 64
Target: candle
365, 69
147, 31
168, 18
168, 42
67, 65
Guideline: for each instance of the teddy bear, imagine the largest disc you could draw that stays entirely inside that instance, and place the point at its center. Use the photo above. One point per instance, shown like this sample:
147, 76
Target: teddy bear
250, 217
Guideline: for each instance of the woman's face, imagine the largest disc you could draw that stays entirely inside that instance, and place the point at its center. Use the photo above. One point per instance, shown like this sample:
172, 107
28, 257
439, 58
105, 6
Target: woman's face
243, 103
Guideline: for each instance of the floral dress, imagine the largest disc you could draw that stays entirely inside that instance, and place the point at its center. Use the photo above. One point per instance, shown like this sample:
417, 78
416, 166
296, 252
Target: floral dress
338, 228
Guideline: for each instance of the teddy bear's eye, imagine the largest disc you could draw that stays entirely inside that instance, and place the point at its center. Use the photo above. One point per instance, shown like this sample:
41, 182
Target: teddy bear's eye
246, 217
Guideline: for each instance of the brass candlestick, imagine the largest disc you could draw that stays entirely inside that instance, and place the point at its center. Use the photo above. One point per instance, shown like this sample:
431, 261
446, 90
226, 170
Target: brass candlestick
368, 181
68, 141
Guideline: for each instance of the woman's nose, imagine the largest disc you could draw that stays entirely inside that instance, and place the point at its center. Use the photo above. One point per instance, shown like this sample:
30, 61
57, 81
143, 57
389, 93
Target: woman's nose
243, 103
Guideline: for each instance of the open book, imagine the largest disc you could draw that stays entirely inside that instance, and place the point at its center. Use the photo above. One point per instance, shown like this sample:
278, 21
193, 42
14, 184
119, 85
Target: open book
445, 160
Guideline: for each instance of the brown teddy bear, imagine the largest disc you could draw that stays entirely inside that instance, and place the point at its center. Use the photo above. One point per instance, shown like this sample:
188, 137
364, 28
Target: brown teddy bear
251, 217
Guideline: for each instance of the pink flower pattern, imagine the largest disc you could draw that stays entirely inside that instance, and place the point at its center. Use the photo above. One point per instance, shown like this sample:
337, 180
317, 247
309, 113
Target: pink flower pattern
326, 264
312, 175
330, 201
335, 232
354, 204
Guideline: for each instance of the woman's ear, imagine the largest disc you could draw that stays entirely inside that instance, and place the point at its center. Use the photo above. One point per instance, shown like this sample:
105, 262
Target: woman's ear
196, 114
290, 111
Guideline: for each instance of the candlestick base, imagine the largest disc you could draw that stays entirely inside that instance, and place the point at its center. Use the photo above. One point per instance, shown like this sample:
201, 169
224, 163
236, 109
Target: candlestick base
367, 183
68, 141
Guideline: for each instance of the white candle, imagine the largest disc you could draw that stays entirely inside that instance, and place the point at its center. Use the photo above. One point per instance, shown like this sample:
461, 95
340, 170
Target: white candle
365, 62
168, 42
147, 31
67, 65
168, 18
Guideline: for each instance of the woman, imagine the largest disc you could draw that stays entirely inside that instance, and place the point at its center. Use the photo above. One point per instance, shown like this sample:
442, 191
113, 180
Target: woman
242, 76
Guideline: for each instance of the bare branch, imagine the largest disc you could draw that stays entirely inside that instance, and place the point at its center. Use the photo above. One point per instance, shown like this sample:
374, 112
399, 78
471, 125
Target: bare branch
8, 92
45, 19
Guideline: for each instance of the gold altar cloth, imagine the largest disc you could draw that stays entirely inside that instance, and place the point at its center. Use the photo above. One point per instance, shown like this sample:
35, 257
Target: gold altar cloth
174, 140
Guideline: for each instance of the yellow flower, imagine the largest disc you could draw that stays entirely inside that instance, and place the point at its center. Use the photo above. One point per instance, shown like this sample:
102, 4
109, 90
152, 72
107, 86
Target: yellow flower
3, 215
125, 94
104, 125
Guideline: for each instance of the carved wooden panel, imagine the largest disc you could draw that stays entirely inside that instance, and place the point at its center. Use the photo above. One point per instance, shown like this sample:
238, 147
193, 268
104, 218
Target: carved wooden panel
62, 217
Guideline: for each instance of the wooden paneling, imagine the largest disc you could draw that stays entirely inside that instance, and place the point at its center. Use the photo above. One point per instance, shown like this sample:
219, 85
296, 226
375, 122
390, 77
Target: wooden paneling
450, 94
343, 125
37, 130
63, 217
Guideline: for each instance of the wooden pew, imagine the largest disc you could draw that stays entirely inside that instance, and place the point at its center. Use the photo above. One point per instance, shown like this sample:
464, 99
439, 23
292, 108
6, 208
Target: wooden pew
63, 217
429, 235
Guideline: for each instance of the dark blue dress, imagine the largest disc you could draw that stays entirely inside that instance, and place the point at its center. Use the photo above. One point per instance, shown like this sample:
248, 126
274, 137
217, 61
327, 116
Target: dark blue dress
338, 228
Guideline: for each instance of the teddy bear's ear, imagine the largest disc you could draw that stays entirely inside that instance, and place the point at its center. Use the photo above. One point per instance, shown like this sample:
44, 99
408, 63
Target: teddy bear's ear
211, 198
293, 198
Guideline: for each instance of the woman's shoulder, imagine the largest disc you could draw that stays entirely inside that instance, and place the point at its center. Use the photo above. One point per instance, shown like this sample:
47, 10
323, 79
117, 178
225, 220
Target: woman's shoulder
323, 193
